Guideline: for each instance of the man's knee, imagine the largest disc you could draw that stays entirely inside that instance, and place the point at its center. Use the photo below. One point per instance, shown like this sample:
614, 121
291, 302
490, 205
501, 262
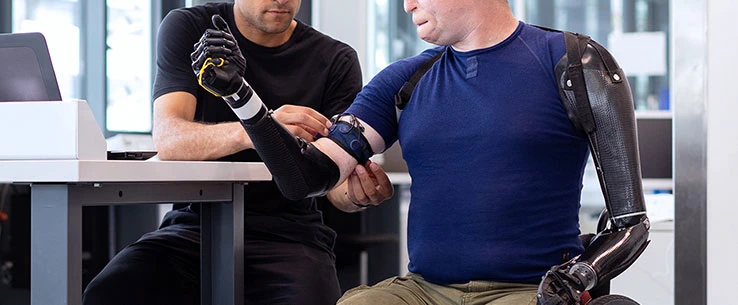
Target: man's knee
101, 291
143, 274
92, 294
386, 292
365, 295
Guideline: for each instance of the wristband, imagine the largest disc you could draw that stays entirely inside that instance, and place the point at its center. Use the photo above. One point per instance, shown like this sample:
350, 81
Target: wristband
348, 135
361, 206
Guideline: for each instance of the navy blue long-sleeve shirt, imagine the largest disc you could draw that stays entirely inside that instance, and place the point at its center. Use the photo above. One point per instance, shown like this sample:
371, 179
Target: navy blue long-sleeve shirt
496, 164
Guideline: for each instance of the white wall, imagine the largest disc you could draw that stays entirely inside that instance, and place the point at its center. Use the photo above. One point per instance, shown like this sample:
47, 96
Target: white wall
722, 151
347, 21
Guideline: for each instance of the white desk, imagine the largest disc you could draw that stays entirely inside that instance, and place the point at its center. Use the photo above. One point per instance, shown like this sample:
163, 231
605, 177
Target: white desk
59, 190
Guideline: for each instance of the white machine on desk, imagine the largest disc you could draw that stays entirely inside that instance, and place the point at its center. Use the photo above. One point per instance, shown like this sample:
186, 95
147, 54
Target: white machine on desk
34, 123
54, 130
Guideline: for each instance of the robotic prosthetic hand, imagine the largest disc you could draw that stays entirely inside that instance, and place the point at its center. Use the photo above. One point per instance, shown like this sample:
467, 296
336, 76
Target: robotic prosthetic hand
218, 49
298, 167
597, 98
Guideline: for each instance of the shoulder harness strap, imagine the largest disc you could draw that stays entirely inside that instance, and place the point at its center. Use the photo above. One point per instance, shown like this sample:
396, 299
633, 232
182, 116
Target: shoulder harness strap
403, 96
575, 46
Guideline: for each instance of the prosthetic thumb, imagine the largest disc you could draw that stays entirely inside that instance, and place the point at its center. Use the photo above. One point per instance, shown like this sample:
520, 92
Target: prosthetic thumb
220, 24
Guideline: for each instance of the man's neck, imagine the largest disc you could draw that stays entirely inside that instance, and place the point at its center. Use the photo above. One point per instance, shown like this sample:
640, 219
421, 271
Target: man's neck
261, 38
494, 26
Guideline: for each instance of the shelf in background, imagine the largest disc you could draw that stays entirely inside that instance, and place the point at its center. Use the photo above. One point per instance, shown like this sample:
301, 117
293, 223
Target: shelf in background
650, 185
653, 114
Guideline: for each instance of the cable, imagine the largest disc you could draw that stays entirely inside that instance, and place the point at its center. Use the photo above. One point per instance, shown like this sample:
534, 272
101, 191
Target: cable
3, 194
3, 216
208, 63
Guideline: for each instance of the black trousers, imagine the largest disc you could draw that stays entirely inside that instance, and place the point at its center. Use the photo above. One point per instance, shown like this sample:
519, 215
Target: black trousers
163, 267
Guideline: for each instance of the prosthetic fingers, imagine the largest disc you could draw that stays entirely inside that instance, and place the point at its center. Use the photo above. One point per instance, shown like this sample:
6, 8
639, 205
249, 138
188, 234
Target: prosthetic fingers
597, 98
298, 167
218, 63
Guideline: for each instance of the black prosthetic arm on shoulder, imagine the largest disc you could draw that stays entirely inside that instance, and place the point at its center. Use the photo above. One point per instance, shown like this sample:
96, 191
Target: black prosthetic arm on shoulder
598, 100
602, 107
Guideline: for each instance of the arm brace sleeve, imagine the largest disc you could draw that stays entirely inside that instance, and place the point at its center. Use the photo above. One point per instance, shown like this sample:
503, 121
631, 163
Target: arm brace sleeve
298, 168
348, 134
603, 110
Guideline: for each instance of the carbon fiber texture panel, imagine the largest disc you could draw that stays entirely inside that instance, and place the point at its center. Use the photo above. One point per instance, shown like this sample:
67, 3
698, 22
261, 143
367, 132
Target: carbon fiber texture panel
614, 142
275, 145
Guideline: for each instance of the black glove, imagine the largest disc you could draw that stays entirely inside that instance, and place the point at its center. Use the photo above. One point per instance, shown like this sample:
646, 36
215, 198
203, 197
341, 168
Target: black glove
217, 61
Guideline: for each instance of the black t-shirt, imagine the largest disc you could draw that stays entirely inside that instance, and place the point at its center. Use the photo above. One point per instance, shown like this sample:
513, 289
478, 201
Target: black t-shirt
310, 69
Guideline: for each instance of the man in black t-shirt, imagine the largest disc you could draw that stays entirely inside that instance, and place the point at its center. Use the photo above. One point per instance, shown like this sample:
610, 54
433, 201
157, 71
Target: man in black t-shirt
303, 74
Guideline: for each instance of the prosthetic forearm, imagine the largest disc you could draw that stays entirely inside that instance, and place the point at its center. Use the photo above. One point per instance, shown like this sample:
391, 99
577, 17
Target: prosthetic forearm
298, 167
598, 100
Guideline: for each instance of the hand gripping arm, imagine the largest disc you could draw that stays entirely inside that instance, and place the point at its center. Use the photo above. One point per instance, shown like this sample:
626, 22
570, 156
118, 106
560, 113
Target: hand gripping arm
598, 100
299, 169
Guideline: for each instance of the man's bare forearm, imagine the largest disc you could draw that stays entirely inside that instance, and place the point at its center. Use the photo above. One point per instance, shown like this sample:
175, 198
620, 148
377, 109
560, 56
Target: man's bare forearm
179, 139
340, 199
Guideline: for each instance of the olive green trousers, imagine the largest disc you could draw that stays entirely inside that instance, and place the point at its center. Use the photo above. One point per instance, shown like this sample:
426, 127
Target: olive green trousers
414, 290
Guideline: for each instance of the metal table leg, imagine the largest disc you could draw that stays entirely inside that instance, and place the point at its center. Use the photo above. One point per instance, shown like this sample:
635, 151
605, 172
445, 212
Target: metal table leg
56, 247
221, 249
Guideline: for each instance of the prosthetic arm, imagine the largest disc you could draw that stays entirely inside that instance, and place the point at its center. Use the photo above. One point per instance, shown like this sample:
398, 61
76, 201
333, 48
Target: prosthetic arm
597, 98
299, 169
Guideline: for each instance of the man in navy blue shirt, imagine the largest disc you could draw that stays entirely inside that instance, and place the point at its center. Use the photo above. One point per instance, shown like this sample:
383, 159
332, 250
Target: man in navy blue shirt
496, 136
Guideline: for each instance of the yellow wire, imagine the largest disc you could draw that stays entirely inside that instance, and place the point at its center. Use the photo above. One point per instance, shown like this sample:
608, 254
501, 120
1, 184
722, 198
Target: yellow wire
208, 62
